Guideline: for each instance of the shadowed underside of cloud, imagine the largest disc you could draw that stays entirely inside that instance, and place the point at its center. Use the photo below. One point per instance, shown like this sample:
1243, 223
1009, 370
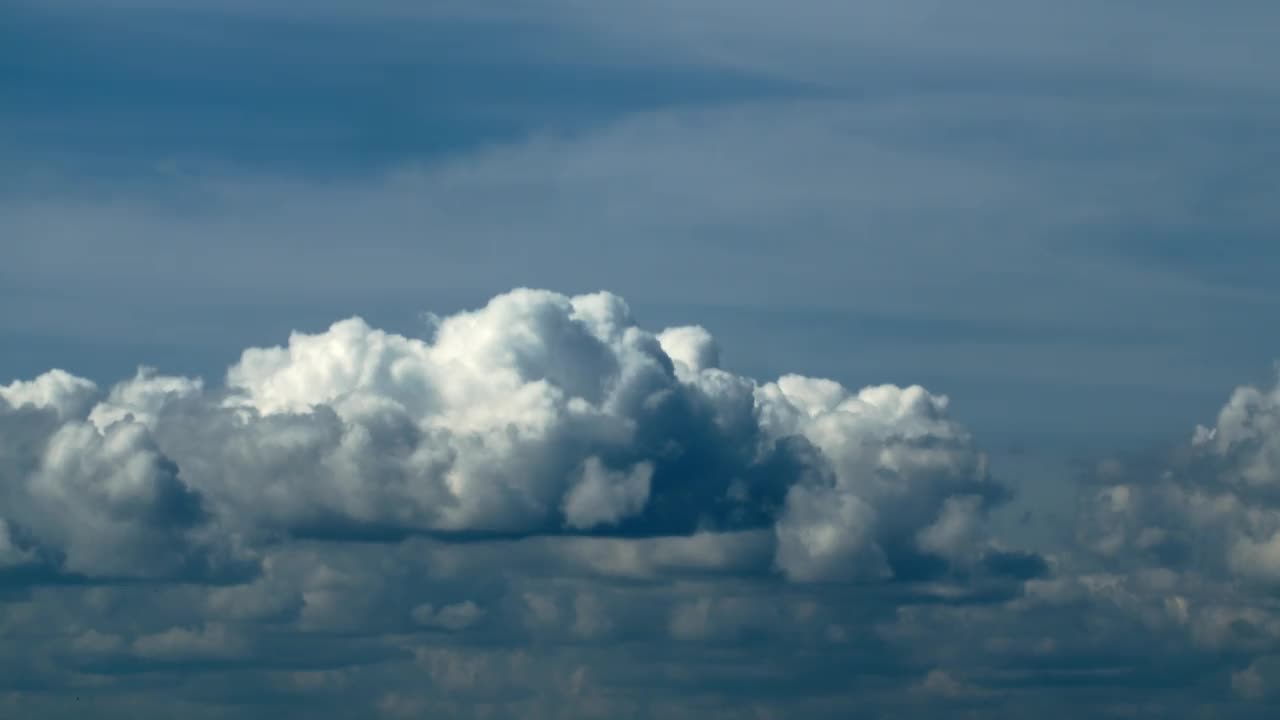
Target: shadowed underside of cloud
546, 482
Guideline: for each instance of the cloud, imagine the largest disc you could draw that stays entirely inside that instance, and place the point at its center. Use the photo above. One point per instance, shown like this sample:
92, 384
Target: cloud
1212, 506
210, 642
141, 399
455, 617
11, 553
540, 432
810, 40
485, 514
896, 473
57, 390
941, 682
101, 502
1173, 565
538, 413
822, 41
1258, 680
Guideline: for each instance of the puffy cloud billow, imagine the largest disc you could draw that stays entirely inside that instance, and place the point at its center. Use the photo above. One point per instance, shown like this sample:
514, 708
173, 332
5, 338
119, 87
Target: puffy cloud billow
484, 521
536, 414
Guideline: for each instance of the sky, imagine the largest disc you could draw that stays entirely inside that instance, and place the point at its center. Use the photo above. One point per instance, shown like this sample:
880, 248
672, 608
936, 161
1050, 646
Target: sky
550, 358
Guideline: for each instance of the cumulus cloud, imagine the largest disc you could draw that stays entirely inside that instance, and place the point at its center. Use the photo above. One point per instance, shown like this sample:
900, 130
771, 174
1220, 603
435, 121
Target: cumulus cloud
542, 473
894, 474
98, 501
140, 399
57, 390
111, 502
1212, 508
1170, 573
537, 413
512, 469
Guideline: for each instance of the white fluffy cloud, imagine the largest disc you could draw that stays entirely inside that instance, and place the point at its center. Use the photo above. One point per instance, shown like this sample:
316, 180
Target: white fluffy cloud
141, 399
1247, 434
57, 390
97, 500
1186, 548
1215, 508
837, 529
896, 471
539, 470
537, 413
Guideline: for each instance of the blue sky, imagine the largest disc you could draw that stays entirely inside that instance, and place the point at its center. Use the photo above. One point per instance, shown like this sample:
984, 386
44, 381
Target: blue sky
1058, 215
995, 204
